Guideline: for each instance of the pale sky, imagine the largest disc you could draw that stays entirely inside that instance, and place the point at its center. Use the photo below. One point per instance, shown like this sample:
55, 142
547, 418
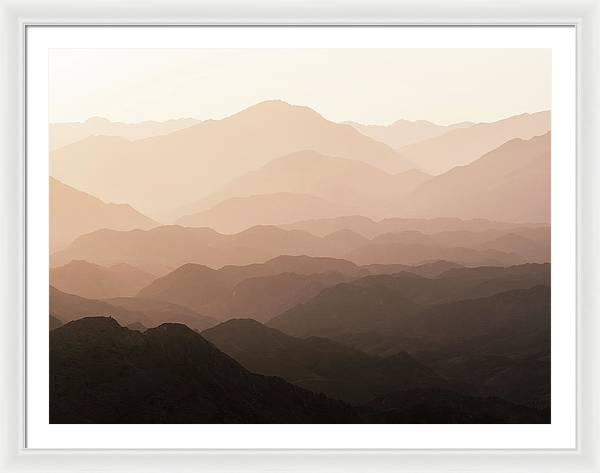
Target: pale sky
372, 86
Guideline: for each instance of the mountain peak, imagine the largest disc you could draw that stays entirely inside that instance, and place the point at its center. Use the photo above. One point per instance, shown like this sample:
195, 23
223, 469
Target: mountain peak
276, 108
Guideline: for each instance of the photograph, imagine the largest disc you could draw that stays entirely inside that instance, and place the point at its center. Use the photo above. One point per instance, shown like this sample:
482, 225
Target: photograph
299, 235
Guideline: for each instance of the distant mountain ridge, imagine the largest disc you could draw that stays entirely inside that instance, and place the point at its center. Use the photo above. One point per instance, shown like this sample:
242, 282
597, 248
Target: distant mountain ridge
62, 134
67, 307
499, 183
173, 246
464, 145
99, 282
406, 132
110, 167
359, 187
386, 303
239, 213
74, 213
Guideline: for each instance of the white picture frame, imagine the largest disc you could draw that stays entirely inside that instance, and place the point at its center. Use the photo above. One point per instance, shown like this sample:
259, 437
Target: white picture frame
583, 15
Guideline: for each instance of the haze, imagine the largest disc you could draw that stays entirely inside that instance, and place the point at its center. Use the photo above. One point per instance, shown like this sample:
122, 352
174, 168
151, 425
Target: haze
371, 86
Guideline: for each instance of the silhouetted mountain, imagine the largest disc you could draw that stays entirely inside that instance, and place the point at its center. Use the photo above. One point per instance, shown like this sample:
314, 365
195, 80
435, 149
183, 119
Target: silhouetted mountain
427, 270
463, 146
98, 282
110, 167
138, 327
172, 246
54, 322
494, 344
239, 213
386, 303
102, 373
62, 134
370, 228
157, 312
355, 186
126, 310
74, 213
347, 308
318, 364
414, 254
303, 265
442, 406
262, 298
405, 132
69, 307
255, 291
511, 182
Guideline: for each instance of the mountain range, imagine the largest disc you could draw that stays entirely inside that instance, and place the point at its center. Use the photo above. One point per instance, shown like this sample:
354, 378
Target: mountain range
103, 373
62, 134
169, 247
406, 132
462, 146
74, 213
496, 185
99, 282
499, 183
66, 307
358, 187
208, 155
319, 364
275, 266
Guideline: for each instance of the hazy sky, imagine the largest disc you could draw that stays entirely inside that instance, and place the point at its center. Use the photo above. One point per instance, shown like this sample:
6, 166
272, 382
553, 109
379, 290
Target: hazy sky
365, 85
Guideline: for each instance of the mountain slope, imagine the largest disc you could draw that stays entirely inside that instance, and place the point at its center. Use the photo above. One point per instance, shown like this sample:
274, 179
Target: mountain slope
255, 291
239, 213
370, 228
510, 183
62, 134
99, 282
463, 146
356, 186
405, 132
74, 213
208, 155
168, 247
318, 364
390, 303
442, 406
127, 311
103, 373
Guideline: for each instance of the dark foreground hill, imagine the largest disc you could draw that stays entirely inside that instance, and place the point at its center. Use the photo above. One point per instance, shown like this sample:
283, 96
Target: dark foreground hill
441, 406
319, 364
103, 373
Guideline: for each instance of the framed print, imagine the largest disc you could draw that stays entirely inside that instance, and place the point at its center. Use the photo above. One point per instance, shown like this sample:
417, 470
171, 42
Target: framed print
342, 243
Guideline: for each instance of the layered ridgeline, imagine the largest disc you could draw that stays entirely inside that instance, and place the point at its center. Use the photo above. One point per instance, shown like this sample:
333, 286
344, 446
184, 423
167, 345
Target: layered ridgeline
74, 213
99, 282
208, 155
344, 186
496, 185
260, 291
101, 372
168, 247
144, 313
319, 364
464, 145
317, 272
406, 132
62, 134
